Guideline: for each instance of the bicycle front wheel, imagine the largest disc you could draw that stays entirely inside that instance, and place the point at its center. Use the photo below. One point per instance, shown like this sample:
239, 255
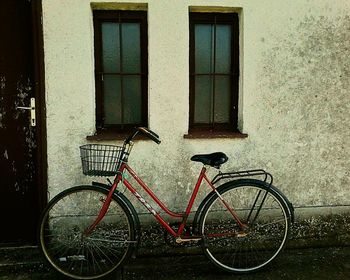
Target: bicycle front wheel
73, 252
266, 221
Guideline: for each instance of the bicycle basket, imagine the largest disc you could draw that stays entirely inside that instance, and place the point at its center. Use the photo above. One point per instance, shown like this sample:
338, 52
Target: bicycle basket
101, 160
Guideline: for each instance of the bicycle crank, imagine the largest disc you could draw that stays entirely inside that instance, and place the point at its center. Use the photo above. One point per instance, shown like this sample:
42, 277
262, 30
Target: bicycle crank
185, 240
242, 234
180, 240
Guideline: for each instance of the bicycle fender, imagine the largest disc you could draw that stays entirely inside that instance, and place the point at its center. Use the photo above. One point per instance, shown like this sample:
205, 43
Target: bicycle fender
288, 203
123, 199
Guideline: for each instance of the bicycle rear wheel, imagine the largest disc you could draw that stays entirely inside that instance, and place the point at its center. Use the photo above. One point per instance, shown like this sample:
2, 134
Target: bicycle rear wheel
79, 255
265, 216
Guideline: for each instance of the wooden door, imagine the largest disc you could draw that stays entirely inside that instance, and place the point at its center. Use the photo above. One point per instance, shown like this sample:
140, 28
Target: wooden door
20, 142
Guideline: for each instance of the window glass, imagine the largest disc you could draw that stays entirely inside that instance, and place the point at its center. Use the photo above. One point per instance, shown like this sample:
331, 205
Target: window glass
203, 48
223, 49
203, 97
222, 99
112, 99
110, 47
132, 99
131, 48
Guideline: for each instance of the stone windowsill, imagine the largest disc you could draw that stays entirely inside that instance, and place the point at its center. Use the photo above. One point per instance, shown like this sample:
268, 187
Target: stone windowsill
208, 134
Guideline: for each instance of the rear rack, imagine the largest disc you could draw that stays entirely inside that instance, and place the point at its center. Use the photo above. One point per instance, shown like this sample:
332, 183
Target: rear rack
267, 177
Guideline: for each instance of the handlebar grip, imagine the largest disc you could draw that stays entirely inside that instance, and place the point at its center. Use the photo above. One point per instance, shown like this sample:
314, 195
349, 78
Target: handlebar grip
149, 133
152, 135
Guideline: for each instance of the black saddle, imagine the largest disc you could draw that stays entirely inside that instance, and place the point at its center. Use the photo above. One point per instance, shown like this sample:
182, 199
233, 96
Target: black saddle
214, 159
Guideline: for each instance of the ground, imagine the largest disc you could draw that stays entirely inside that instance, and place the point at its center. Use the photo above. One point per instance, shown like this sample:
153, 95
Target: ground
296, 264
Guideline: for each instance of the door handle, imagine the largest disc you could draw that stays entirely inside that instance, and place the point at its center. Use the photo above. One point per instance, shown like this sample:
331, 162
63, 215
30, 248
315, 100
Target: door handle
32, 111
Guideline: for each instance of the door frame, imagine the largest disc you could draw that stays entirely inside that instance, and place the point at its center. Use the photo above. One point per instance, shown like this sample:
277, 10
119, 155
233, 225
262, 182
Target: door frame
39, 93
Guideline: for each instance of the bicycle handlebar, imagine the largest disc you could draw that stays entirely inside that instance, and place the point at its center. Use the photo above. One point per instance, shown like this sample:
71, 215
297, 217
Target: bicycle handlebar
149, 133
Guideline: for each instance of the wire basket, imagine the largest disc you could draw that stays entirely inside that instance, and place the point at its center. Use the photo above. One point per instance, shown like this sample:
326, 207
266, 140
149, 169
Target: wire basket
101, 160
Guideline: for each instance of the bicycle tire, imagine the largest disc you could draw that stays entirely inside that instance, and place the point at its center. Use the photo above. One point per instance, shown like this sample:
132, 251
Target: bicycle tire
81, 256
266, 232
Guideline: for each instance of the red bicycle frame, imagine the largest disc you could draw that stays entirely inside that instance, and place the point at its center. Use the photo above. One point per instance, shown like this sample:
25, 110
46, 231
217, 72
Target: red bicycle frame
121, 178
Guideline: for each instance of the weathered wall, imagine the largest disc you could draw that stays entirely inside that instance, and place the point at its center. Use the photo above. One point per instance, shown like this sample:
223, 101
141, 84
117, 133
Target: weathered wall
294, 97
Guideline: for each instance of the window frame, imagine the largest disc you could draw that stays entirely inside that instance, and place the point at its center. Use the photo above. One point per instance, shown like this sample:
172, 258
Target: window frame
120, 16
232, 19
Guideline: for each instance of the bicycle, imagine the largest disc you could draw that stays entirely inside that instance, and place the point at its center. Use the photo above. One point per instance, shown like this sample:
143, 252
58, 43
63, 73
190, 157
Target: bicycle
86, 232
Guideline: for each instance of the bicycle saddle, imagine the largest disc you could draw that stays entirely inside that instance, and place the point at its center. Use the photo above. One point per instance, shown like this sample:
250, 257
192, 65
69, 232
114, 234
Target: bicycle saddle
214, 159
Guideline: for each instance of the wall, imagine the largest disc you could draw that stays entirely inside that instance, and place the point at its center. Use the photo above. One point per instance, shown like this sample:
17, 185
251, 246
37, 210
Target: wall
294, 98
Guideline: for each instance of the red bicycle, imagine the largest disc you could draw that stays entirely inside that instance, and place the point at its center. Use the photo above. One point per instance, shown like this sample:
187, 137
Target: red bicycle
86, 232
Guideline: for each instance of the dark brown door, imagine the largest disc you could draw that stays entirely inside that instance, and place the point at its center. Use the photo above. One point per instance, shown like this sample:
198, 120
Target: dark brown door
19, 145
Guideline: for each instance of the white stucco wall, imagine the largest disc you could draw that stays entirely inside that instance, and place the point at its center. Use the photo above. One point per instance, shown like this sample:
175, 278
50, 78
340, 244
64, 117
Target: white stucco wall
294, 90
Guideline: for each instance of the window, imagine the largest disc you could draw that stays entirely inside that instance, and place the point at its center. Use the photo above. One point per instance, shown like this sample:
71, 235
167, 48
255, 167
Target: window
214, 71
120, 69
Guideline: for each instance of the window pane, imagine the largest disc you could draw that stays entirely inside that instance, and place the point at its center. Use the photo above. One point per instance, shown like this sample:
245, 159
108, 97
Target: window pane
110, 47
132, 99
222, 99
203, 99
223, 49
112, 99
203, 48
131, 48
